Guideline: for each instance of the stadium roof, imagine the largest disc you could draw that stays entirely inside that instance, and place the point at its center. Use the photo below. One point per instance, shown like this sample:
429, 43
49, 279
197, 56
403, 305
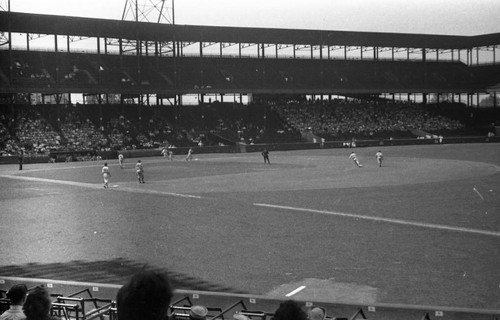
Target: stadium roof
89, 27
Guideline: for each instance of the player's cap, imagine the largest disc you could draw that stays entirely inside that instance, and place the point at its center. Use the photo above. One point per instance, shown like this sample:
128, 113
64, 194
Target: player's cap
238, 316
198, 312
317, 313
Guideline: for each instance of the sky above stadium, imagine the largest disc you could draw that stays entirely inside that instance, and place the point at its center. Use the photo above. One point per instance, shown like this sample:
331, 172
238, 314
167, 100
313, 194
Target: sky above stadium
451, 17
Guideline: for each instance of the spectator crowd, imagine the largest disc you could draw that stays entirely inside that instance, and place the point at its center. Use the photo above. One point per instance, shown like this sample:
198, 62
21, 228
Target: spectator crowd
77, 128
146, 295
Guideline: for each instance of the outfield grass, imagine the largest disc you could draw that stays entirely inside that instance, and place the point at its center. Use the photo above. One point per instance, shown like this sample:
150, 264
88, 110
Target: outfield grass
423, 229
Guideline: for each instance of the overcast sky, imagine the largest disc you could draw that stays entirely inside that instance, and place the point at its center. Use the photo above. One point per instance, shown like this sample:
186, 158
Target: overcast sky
452, 17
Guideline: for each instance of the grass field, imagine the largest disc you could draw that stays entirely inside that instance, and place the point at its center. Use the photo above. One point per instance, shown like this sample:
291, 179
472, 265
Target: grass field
423, 229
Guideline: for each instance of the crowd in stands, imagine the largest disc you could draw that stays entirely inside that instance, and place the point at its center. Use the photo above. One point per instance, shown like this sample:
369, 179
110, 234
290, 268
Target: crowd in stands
81, 133
146, 295
78, 128
345, 119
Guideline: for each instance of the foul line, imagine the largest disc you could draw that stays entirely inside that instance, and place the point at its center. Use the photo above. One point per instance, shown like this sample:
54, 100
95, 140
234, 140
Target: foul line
99, 186
296, 291
387, 220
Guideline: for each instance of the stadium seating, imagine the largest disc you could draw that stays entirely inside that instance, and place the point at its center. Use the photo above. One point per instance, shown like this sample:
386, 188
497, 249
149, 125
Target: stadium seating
89, 70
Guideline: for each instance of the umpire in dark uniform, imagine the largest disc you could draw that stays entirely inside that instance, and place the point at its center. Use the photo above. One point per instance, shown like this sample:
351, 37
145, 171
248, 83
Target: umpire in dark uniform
21, 156
265, 155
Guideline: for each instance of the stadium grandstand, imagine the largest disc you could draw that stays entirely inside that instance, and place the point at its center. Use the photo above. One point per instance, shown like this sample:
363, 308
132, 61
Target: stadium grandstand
143, 87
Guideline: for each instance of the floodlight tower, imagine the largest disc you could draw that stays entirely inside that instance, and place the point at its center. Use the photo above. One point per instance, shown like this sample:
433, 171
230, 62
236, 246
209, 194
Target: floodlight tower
159, 11
152, 11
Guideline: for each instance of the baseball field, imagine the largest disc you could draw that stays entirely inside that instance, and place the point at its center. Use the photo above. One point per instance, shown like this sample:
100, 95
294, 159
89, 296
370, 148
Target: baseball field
422, 229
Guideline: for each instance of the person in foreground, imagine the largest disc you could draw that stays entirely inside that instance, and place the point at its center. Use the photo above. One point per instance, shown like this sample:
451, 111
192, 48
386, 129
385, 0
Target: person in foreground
289, 310
17, 296
146, 296
37, 305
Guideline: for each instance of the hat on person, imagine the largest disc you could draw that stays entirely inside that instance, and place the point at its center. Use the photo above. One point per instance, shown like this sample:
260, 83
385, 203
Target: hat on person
317, 313
198, 312
238, 316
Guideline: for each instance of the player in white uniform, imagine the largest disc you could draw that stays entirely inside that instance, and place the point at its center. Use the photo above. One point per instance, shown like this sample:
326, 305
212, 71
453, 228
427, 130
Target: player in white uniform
189, 156
106, 174
139, 168
120, 160
354, 158
379, 156
167, 153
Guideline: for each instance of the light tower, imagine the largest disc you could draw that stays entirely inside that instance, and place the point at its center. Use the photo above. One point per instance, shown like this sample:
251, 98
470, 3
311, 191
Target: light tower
151, 11
159, 11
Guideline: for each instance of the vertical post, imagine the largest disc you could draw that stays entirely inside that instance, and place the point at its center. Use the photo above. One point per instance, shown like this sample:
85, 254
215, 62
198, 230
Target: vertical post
11, 75
173, 12
57, 60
